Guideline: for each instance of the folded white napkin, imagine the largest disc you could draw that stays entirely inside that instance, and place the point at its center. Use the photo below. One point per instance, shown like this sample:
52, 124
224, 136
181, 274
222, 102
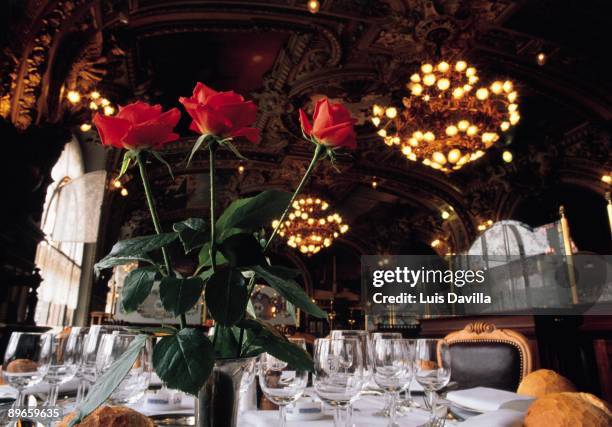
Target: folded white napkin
6, 391
501, 418
484, 399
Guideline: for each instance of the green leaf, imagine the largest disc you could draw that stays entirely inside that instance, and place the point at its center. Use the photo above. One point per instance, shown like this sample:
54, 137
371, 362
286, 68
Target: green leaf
137, 287
163, 161
226, 296
254, 212
265, 338
226, 345
289, 289
204, 257
228, 144
184, 361
192, 233
201, 139
125, 164
179, 295
108, 382
136, 249
242, 250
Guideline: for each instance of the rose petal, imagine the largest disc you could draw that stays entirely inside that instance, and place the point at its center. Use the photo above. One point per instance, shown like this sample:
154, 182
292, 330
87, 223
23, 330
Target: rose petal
139, 112
341, 135
111, 129
339, 113
210, 122
241, 115
322, 118
148, 134
224, 98
201, 93
306, 126
252, 134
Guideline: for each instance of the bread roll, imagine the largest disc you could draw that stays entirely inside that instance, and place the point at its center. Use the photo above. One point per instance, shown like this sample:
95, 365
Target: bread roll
544, 381
111, 416
568, 410
21, 366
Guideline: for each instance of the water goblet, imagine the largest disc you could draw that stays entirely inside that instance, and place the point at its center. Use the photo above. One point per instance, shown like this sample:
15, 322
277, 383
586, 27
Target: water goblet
338, 376
385, 411
432, 367
280, 382
63, 361
132, 388
393, 369
26, 361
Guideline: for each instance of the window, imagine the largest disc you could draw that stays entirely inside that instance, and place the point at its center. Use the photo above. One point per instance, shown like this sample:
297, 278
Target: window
59, 260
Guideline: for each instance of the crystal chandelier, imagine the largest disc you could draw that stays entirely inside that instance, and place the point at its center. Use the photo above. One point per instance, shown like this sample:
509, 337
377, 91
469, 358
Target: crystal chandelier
311, 227
449, 118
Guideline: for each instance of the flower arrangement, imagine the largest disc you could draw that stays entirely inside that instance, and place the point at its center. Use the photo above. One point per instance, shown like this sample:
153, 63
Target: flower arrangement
227, 246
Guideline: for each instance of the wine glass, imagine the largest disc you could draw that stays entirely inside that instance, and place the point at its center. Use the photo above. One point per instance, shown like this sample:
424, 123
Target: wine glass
81, 334
338, 375
393, 369
432, 367
408, 402
26, 361
282, 383
63, 357
386, 410
133, 387
366, 350
89, 353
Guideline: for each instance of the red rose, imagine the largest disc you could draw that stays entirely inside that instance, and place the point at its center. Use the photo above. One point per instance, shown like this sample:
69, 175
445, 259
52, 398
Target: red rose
138, 126
223, 114
332, 125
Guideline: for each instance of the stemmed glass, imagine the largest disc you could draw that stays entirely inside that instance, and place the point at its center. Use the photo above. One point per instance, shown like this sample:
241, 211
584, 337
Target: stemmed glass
63, 358
89, 354
26, 361
385, 411
432, 368
408, 402
133, 387
338, 375
282, 383
366, 350
393, 369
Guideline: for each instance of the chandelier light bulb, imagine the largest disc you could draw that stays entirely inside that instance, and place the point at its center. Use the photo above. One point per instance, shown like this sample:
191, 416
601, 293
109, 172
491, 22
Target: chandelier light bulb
417, 89
458, 93
378, 110
507, 156
482, 94
443, 84
94, 95
73, 96
463, 125
439, 158
124, 192
391, 112
109, 110
376, 121
445, 215
426, 68
443, 67
460, 66
497, 87
507, 86
541, 58
85, 127
454, 155
313, 6
415, 78
429, 79
452, 130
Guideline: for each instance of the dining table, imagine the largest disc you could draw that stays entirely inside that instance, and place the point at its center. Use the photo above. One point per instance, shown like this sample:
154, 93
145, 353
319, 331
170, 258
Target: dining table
366, 410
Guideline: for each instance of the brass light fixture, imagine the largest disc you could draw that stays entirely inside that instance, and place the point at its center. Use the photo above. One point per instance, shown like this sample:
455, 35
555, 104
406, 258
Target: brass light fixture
449, 118
311, 226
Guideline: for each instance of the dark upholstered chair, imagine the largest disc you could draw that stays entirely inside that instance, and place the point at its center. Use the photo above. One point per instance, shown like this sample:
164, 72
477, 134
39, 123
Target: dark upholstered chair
482, 355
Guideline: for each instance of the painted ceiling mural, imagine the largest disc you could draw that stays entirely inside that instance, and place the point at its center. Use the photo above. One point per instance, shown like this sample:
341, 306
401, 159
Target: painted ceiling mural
358, 51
